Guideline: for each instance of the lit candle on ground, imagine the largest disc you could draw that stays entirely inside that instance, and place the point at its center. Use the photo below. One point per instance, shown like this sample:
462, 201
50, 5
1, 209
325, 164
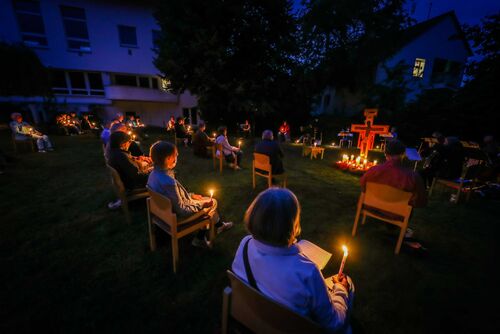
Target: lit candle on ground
342, 264
364, 162
211, 191
352, 157
358, 160
375, 162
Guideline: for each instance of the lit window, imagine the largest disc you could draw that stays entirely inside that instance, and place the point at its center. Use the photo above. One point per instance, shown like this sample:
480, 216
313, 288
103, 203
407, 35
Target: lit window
30, 23
418, 68
75, 26
128, 36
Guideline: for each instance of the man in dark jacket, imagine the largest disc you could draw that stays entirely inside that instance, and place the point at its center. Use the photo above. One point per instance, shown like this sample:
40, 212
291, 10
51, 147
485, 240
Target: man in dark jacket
201, 141
120, 159
272, 149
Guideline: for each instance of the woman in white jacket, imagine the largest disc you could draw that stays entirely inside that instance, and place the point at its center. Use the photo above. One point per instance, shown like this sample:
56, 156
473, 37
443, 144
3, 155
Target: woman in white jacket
232, 154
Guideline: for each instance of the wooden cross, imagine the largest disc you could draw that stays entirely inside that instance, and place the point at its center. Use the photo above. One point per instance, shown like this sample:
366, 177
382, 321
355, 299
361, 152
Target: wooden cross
368, 131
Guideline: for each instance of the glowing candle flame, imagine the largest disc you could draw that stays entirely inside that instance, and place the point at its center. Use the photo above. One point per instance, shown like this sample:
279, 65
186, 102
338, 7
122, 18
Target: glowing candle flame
342, 264
211, 191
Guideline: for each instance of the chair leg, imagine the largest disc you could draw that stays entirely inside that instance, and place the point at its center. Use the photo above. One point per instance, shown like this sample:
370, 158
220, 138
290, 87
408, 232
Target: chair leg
175, 252
220, 164
284, 181
400, 239
358, 213
226, 298
253, 176
363, 221
151, 230
269, 180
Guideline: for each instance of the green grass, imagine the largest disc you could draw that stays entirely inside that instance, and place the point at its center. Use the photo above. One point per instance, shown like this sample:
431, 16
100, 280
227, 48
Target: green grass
71, 265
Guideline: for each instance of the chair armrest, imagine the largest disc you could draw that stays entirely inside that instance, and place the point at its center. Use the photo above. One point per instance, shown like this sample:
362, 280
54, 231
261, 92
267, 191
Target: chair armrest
195, 216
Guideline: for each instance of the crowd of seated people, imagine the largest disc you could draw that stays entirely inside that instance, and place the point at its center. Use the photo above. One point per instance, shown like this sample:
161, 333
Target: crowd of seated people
68, 125
23, 131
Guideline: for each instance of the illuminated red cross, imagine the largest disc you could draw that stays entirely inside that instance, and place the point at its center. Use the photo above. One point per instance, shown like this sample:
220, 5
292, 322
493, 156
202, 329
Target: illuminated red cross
368, 131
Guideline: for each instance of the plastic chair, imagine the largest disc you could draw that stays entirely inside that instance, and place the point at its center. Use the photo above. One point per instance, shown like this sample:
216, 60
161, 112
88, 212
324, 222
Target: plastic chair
160, 215
124, 195
263, 164
384, 203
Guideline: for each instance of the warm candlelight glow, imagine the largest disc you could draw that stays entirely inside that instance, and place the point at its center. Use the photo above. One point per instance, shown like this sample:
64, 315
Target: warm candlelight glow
214, 134
333, 144
239, 144
211, 191
375, 162
130, 132
342, 264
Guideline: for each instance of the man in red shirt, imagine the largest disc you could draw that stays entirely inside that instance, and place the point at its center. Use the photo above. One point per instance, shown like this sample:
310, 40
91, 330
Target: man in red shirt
394, 174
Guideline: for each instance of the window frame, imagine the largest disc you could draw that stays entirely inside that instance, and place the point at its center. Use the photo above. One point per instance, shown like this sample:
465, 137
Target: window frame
69, 39
418, 68
26, 35
126, 45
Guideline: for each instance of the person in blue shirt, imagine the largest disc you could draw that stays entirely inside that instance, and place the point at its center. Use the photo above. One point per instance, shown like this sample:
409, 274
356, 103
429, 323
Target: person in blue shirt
281, 271
162, 180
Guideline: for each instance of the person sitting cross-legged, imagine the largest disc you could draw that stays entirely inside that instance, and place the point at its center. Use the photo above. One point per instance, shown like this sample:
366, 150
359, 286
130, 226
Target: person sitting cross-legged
394, 174
271, 148
24, 131
277, 268
131, 173
231, 153
162, 180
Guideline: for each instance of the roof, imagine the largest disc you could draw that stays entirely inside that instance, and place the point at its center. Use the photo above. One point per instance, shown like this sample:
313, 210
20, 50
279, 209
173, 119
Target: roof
418, 29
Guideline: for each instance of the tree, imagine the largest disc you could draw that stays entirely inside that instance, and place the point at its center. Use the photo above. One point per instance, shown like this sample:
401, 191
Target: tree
345, 40
22, 72
236, 56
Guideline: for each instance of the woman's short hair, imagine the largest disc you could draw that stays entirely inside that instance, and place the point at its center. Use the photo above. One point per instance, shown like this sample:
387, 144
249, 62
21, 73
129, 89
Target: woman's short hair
274, 217
160, 151
222, 129
117, 139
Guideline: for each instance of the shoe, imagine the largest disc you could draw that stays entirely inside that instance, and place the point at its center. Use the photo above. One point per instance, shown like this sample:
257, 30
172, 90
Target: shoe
409, 233
42, 151
201, 243
114, 205
225, 226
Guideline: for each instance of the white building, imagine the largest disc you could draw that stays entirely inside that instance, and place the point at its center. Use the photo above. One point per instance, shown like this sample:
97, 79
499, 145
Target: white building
100, 54
434, 53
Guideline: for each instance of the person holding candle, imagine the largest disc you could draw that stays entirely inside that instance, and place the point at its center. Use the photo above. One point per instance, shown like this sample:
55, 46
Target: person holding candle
181, 132
231, 153
24, 131
276, 267
201, 141
162, 180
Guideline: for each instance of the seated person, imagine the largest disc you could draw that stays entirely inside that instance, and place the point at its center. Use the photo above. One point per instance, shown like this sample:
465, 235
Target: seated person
434, 160
131, 122
272, 149
201, 141
139, 122
134, 148
184, 204
131, 173
232, 154
24, 131
75, 121
181, 132
394, 174
284, 132
87, 124
281, 271
245, 129
453, 159
171, 124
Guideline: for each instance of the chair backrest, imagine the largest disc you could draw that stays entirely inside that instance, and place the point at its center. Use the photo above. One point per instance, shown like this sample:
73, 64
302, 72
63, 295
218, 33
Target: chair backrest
161, 207
262, 162
117, 182
261, 314
387, 198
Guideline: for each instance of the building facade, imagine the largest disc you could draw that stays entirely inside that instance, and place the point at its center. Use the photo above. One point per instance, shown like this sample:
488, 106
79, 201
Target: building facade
433, 55
100, 56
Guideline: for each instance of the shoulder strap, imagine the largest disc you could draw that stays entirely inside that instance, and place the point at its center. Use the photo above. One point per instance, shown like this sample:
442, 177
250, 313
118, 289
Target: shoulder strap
248, 270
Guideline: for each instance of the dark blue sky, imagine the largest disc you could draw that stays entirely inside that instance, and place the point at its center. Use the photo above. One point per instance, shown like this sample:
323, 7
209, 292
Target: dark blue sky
468, 11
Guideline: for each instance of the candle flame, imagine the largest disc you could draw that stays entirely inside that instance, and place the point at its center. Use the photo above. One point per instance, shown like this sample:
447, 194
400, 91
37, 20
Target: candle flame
211, 192
344, 248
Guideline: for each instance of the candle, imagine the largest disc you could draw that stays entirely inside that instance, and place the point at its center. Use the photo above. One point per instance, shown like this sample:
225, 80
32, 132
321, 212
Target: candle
297, 141
352, 157
315, 144
211, 193
364, 162
333, 144
214, 134
239, 144
358, 160
342, 264
133, 137
375, 162
129, 133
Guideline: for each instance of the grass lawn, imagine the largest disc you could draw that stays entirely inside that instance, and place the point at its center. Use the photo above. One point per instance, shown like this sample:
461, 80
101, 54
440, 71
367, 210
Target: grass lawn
69, 264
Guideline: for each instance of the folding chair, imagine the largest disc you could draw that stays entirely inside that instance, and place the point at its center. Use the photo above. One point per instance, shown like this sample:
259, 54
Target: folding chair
260, 314
25, 142
160, 215
384, 203
124, 195
261, 166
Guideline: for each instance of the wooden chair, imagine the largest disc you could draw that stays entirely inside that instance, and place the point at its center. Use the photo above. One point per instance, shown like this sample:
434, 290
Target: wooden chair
122, 193
27, 142
464, 184
263, 164
160, 215
219, 158
260, 314
384, 203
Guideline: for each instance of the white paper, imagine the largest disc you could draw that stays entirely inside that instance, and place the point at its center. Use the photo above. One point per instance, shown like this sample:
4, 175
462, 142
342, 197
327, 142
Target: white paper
314, 253
412, 154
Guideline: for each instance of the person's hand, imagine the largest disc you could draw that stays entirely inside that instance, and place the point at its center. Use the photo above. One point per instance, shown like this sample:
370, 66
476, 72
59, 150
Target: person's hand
208, 204
196, 196
342, 279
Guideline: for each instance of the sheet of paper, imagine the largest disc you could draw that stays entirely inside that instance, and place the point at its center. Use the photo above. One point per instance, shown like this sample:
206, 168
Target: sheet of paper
412, 154
314, 253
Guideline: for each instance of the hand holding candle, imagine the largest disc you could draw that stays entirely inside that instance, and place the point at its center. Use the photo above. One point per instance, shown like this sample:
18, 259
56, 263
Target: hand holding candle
342, 264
